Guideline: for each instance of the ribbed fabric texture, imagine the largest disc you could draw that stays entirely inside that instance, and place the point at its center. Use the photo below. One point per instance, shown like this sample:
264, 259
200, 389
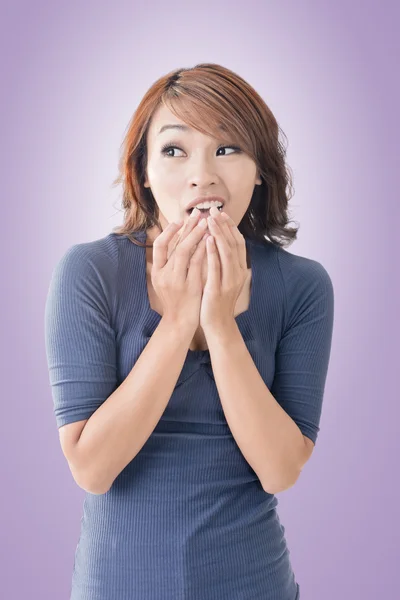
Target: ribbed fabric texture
187, 519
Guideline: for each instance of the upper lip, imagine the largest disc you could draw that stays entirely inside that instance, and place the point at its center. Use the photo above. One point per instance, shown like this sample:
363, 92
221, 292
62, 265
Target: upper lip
200, 199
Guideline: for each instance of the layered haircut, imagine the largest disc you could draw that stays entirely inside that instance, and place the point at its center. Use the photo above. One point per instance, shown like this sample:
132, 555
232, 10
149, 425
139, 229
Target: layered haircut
217, 102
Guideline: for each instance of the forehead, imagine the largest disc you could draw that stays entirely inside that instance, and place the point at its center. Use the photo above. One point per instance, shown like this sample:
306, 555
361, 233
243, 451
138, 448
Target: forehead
163, 116
164, 120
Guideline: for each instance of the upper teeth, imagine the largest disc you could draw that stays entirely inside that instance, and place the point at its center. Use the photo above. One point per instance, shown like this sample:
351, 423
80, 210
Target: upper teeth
209, 204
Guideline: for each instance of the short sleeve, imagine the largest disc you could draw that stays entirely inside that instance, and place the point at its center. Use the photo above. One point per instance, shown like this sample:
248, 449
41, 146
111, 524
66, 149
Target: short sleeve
303, 352
79, 338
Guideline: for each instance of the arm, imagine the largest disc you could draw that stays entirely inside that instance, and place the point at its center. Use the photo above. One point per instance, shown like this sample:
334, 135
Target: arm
119, 428
110, 421
276, 429
269, 439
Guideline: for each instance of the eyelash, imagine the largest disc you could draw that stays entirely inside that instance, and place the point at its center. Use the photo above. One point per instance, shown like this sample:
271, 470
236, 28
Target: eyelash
169, 145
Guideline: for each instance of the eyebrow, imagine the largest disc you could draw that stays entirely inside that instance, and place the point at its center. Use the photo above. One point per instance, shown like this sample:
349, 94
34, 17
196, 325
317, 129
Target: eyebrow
180, 127
176, 126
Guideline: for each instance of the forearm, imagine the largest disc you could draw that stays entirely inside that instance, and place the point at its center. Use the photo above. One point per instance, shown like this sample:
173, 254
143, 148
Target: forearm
119, 428
268, 438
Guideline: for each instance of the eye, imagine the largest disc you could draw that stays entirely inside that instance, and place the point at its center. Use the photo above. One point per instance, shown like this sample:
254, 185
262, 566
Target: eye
235, 148
167, 147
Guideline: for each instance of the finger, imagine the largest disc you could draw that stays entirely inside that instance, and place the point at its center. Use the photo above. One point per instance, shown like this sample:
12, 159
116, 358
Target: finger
239, 240
223, 222
179, 237
191, 222
228, 255
196, 261
185, 231
160, 244
174, 242
213, 265
184, 250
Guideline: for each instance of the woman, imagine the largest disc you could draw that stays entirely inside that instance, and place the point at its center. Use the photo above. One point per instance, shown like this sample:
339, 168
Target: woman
188, 375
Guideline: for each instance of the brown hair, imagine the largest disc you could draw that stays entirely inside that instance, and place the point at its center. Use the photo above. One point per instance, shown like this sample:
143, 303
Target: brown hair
210, 97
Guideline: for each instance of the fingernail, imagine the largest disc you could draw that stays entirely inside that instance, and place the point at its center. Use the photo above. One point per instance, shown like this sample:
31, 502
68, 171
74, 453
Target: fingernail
202, 223
195, 212
214, 211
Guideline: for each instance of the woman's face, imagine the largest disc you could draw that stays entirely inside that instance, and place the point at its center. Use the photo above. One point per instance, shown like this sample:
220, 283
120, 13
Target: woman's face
196, 167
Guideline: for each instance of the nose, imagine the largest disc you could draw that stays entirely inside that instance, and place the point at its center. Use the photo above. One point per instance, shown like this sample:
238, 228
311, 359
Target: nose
202, 174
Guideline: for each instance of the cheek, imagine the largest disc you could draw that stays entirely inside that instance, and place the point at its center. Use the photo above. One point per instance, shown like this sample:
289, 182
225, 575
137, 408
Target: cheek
240, 185
160, 173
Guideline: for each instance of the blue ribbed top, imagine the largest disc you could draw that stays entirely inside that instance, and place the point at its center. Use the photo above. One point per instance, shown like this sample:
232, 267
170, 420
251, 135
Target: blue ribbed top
187, 519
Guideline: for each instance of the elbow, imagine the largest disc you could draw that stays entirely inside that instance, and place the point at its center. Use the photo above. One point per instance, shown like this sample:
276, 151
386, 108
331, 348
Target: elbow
87, 480
96, 491
88, 483
280, 485
275, 489
92, 488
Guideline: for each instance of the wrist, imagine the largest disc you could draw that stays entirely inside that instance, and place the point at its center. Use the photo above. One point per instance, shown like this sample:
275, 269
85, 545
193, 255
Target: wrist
222, 330
183, 328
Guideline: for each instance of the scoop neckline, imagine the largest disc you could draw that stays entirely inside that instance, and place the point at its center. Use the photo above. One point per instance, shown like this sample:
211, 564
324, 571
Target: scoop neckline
241, 318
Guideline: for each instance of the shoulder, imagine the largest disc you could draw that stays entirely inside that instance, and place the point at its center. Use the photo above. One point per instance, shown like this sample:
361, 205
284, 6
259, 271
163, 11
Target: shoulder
307, 284
304, 283
87, 270
96, 262
293, 270
84, 256
297, 270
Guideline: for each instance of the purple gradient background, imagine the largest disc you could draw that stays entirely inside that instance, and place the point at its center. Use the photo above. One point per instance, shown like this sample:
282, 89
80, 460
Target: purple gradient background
72, 77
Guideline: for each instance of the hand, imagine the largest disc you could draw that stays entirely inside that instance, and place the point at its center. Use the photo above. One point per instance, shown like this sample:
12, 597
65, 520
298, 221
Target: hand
227, 271
176, 274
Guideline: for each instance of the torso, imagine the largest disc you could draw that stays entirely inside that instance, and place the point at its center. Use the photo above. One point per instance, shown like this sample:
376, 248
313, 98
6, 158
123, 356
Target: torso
199, 341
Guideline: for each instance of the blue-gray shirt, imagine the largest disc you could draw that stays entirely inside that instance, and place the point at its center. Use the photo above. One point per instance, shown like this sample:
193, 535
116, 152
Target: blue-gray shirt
187, 519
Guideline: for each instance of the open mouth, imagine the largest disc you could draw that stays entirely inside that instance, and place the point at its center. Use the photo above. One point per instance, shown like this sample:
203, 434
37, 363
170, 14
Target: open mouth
204, 211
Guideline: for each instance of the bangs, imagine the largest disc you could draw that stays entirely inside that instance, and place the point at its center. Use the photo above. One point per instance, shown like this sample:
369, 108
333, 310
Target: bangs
210, 117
